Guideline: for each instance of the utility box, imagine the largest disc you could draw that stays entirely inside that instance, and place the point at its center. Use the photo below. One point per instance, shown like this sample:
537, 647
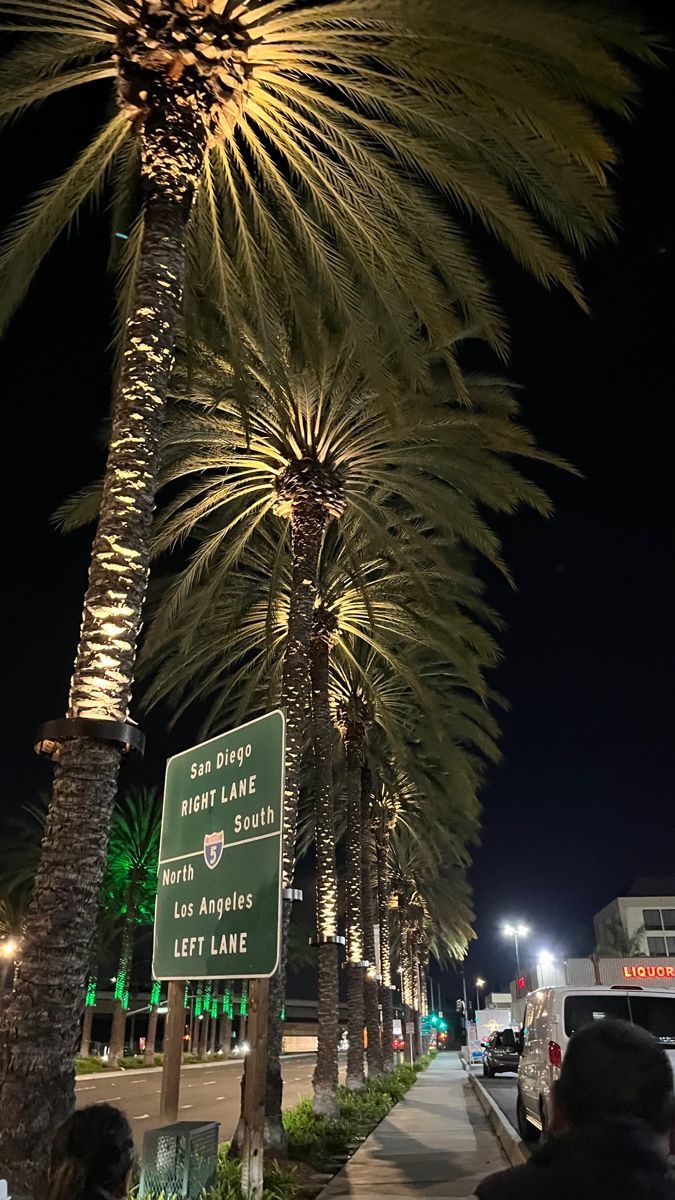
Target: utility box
179, 1160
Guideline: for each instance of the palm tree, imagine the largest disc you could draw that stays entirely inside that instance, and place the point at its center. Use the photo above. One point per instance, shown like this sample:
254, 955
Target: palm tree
130, 886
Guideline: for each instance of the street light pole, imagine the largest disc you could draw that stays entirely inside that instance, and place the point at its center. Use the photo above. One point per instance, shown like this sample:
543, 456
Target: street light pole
479, 983
516, 931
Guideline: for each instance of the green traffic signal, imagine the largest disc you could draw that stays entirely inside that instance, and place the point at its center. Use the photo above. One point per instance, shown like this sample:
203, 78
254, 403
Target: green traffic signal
434, 1019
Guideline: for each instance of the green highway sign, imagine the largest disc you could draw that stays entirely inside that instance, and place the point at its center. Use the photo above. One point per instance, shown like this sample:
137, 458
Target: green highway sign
218, 911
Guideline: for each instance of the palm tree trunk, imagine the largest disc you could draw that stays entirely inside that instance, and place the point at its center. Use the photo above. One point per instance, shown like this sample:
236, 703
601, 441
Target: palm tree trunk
213, 1030
40, 1025
203, 1046
355, 995
308, 523
226, 1033
151, 1037
119, 1021
325, 1080
415, 977
370, 988
383, 892
87, 1022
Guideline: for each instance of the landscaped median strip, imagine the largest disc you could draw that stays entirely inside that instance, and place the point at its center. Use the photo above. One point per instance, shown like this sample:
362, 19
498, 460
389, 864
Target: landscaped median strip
318, 1146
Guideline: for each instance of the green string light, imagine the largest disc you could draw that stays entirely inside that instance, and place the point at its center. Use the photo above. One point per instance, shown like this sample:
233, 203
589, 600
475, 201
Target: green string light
186, 995
283, 1012
125, 1001
243, 1003
199, 1000
155, 993
90, 998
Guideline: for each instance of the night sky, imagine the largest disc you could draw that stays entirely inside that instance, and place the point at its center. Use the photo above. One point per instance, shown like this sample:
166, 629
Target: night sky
583, 800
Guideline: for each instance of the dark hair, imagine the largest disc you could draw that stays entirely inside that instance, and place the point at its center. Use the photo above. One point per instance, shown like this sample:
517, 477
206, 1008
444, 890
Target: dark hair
92, 1155
614, 1069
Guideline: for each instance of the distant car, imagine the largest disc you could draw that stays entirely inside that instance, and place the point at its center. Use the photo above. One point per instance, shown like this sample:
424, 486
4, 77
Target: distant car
500, 1053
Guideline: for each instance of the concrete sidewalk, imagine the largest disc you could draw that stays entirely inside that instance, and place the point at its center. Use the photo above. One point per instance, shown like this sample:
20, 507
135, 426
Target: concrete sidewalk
437, 1142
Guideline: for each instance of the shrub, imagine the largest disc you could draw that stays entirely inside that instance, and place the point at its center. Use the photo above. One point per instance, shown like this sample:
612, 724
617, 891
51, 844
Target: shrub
89, 1064
314, 1139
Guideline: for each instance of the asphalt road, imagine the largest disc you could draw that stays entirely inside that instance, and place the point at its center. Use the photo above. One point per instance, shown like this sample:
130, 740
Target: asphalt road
207, 1093
503, 1091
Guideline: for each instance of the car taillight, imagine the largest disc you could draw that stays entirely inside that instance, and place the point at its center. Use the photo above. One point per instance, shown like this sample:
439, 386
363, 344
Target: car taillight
554, 1054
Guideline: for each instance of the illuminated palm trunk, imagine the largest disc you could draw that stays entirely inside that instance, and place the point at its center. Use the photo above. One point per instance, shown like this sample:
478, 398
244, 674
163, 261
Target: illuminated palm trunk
380, 837
41, 1022
308, 524
353, 739
416, 996
326, 1072
370, 988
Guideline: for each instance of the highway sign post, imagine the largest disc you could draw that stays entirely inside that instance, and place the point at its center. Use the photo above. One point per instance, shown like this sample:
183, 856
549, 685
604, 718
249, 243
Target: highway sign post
218, 909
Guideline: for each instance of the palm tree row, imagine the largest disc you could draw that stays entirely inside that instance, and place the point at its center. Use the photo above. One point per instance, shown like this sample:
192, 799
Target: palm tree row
272, 162
327, 535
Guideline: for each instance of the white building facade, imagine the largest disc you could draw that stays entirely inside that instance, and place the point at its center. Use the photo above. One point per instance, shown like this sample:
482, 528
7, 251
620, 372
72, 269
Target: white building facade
640, 923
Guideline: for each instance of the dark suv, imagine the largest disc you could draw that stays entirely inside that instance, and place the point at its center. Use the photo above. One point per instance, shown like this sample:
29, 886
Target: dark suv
500, 1053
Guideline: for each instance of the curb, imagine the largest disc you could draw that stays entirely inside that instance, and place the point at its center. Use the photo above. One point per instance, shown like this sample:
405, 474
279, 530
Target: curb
513, 1146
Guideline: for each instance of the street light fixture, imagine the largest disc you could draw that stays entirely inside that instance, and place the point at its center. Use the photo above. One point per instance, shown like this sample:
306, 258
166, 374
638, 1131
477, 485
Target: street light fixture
516, 931
546, 959
480, 983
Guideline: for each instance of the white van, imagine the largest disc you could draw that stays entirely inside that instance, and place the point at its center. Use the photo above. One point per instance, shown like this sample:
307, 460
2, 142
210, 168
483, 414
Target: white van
553, 1014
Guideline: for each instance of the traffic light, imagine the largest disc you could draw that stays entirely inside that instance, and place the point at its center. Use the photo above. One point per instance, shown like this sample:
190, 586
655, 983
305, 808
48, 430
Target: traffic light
443, 1026
434, 1019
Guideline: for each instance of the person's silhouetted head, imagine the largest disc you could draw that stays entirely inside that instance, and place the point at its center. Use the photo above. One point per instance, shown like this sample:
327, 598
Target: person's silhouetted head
92, 1156
611, 1070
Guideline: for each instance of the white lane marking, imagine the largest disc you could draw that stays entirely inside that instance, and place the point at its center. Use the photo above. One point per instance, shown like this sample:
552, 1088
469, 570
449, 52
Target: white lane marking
187, 1106
207, 1083
91, 1088
137, 1082
220, 1098
142, 1117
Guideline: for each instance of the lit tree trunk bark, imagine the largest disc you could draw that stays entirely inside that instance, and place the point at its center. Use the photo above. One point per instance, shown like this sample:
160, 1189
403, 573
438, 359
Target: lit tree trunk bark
326, 1071
87, 1022
40, 1026
370, 988
308, 523
355, 997
383, 892
415, 967
151, 1037
213, 1030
